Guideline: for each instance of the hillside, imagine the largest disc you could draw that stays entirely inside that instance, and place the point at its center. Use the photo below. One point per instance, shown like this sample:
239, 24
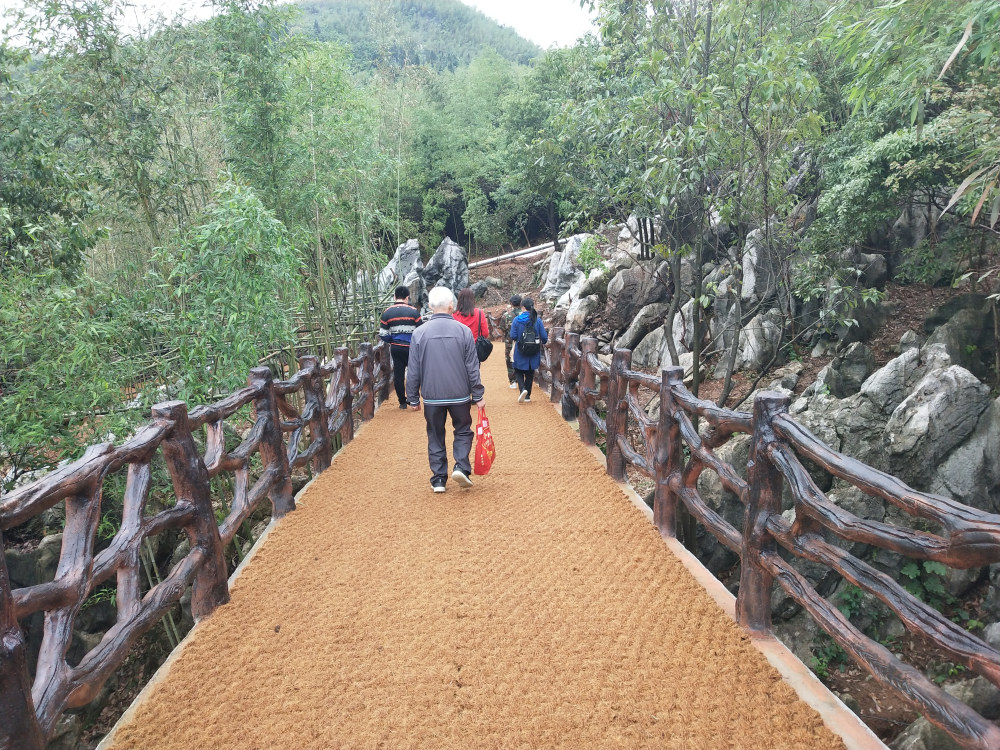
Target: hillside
443, 34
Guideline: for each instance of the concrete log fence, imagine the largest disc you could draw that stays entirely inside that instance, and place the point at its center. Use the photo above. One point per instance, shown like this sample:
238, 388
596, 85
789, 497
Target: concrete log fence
294, 424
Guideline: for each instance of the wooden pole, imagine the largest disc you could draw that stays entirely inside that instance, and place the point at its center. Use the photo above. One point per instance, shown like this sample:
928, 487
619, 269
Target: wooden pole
753, 605
669, 457
588, 431
19, 729
615, 421
273, 453
367, 377
315, 407
191, 484
340, 389
571, 377
555, 364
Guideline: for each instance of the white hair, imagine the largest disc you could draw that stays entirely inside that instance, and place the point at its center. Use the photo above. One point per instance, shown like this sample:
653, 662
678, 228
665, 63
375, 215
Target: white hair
440, 298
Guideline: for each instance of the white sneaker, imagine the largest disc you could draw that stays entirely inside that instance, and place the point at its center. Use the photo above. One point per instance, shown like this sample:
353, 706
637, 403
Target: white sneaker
513, 386
527, 400
462, 478
439, 488
522, 397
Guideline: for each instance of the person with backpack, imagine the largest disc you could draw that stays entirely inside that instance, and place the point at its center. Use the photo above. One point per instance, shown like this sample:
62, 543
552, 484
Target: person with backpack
528, 335
474, 318
508, 343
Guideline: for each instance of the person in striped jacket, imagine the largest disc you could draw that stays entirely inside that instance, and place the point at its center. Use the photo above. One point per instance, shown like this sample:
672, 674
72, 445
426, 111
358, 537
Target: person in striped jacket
396, 328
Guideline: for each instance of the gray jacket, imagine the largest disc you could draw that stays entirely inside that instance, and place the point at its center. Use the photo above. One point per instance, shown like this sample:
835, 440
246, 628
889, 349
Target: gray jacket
443, 366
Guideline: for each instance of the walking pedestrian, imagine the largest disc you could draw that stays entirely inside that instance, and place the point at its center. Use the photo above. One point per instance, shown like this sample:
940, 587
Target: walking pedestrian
529, 336
469, 315
396, 327
508, 343
444, 370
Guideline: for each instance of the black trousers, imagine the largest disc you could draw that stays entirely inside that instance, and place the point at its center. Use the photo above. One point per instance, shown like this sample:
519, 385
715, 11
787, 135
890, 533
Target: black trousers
437, 453
525, 379
400, 359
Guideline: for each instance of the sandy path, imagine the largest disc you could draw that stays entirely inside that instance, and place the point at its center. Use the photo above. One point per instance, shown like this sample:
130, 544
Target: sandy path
538, 609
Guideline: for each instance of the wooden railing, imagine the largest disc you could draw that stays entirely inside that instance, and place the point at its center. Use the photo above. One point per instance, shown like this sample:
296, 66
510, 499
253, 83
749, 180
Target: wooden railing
329, 395
672, 452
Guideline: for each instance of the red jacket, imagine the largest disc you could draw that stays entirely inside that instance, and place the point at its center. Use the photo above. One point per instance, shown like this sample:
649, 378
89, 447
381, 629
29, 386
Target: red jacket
474, 322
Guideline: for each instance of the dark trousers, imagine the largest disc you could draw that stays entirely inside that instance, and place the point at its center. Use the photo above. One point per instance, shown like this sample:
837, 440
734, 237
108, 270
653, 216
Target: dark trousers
400, 359
461, 422
525, 379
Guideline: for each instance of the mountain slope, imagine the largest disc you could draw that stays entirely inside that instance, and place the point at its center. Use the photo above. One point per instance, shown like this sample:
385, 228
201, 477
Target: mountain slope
443, 34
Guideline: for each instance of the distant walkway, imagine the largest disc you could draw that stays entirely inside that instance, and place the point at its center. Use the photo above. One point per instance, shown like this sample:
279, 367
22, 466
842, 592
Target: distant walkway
539, 609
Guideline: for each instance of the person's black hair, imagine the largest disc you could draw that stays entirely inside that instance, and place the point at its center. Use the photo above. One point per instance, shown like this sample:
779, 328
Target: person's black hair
402, 292
466, 301
529, 307
515, 301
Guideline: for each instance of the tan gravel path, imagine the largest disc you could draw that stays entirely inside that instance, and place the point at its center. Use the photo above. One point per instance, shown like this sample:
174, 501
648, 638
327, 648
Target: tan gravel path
537, 610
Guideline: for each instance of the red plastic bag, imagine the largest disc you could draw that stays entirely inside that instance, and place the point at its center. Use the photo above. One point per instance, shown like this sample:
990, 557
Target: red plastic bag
486, 452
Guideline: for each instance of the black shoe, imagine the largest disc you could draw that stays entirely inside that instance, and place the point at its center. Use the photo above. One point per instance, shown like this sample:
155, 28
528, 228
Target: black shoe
461, 477
402, 405
437, 487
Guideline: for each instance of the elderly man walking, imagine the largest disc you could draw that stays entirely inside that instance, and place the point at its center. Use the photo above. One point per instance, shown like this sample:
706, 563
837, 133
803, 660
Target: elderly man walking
444, 369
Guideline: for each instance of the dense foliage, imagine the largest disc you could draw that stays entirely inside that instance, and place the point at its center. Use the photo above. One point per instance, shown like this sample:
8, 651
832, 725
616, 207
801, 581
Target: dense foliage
442, 34
177, 199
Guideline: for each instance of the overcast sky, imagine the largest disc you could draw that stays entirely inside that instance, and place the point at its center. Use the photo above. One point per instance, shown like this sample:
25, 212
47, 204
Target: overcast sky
545, 22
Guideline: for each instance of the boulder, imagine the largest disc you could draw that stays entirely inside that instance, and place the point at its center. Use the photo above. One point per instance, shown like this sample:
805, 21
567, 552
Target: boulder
979, 694
760, 340
874, 270
633, 288
480, 288
909, 340
563, 269
847, 372
887, 387
648, 318
942, 314
762, 264
404, 261
449, 266
968, 338
971, 474
940, 413
579, 311
648, 353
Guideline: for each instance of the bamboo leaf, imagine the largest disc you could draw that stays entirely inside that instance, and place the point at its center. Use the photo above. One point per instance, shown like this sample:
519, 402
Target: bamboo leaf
958, 48
962, 188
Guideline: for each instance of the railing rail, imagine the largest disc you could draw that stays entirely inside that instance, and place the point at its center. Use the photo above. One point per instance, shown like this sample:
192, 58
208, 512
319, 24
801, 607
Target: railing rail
673, 452
283, 413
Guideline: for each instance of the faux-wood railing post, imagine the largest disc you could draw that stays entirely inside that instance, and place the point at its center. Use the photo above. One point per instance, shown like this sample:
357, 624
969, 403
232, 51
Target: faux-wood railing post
191, 484
19, 729
555, 364
342, 379
272, 444
588, 431
753, 605
367, 376
669, 458
571, 377
386, 369
315, 406
615, 420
